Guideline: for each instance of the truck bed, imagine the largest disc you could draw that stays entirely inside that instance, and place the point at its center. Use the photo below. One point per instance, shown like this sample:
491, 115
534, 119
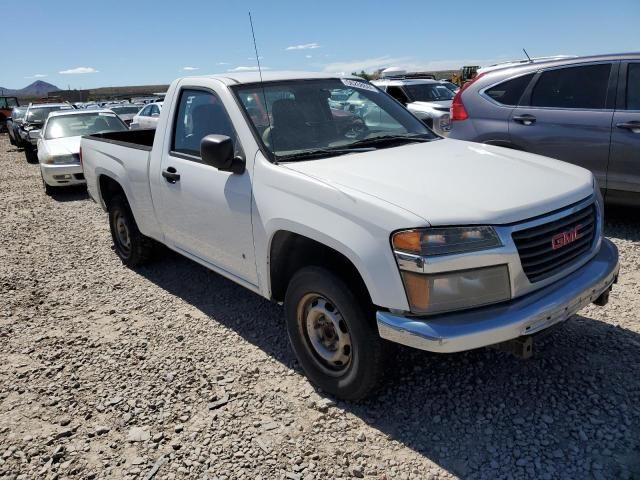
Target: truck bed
140, 139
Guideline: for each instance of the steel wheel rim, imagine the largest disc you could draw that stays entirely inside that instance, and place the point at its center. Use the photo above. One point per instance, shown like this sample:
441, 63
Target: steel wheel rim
122, 233
326, 333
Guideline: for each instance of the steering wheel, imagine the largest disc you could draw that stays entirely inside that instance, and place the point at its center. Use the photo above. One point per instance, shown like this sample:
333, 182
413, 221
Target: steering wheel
357, 130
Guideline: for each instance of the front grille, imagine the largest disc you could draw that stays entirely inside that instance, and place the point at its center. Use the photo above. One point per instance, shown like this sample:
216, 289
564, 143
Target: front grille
547, 249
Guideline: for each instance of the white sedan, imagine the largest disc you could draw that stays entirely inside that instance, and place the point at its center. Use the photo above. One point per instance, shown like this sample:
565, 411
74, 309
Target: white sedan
59, 144
147, 118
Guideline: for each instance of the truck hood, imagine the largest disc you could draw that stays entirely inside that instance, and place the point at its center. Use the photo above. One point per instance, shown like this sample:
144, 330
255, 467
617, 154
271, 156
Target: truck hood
63, 146
451, 182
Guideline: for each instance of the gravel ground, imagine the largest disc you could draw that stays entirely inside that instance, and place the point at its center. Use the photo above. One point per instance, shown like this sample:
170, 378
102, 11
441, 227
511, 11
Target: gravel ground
171, 371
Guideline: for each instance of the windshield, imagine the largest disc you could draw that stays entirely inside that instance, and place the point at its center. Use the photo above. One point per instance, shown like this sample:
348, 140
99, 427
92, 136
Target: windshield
18, 113
428, 92
125, 110
329, 115
83, 124
40, 114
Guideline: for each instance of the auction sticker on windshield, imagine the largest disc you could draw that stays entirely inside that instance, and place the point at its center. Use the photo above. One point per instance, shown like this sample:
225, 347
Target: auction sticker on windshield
360, 85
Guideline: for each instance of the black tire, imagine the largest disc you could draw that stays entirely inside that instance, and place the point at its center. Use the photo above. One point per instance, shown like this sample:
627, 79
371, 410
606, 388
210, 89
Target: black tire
30, 153
48, 189
139, 248
368, 352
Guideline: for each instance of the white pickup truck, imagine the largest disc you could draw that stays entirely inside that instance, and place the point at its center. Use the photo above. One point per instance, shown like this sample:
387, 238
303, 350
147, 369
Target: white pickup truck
370, 228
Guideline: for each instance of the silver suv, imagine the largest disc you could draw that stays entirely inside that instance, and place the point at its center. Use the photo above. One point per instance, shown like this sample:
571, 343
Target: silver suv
583, 110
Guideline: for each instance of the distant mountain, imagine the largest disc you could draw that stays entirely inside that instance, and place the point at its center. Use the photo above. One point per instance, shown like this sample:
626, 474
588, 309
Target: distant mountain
36, 89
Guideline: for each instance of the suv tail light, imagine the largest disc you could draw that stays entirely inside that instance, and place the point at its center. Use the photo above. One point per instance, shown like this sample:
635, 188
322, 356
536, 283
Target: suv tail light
458, 112
80, 155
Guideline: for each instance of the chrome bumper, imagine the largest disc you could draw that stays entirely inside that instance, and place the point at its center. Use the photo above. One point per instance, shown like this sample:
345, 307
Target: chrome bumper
456, 332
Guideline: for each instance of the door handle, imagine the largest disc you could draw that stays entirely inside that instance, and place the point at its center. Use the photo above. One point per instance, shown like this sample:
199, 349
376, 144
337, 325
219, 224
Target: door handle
171, 175
633, 126
525, 119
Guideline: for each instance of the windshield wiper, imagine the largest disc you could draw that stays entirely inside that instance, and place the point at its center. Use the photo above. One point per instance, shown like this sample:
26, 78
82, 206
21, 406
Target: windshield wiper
391, 139
321, 152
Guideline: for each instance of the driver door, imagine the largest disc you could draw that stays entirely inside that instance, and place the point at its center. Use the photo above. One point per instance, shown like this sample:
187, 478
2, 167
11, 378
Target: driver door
205, 212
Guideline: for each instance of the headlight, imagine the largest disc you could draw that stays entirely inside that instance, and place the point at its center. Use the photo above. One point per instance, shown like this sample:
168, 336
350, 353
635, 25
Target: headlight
446, 241
449, 291
63, 159
429, 293
34, 134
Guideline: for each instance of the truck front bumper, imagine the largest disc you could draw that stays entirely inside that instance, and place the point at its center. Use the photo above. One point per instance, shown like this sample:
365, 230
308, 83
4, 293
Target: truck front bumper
529, 314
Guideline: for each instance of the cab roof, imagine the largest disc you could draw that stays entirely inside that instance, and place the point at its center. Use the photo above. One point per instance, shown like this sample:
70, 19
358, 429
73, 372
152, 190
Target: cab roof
235, 78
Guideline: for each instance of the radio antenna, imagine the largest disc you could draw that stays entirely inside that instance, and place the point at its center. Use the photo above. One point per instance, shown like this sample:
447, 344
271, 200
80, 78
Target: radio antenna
525, 52
264, 94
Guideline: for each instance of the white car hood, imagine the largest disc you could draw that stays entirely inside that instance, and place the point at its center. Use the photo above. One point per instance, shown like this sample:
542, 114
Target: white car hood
451, 182
63, 146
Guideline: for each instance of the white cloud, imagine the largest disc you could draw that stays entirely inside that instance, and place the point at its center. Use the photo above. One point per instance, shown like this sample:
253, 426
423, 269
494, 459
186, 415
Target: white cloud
253, 58
190, 69
78, 70
304, 46
37, 75
246, 69
308, 56
222, 63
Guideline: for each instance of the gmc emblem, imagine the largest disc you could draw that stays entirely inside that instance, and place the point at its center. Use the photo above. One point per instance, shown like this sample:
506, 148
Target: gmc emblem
565, 238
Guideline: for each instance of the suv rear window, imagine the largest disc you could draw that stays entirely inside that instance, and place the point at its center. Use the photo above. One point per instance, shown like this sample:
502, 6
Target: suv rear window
509, 92
573, 87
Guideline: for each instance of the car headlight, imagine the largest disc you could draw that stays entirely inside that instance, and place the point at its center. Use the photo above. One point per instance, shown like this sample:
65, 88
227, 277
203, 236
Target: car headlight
63, 159
447, 291
445, 241
34, 134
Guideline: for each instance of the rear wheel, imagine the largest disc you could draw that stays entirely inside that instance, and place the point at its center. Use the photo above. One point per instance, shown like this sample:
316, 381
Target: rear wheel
332, 336
130, 245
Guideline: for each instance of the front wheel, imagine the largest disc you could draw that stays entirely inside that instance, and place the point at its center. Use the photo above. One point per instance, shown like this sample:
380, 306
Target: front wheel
130, 245
30, 153
334, 340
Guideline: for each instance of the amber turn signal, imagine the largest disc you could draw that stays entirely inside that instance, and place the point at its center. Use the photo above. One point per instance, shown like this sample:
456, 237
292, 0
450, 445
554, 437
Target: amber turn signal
408, 241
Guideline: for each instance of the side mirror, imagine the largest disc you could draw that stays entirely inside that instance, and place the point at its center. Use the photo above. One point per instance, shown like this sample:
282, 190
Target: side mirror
217, 151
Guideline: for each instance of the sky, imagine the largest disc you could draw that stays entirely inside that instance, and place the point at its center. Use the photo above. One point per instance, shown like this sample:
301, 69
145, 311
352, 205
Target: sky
88, 44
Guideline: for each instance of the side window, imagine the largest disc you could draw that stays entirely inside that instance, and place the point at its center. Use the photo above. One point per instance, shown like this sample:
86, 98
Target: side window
573, 87
12, 102
509, 92
3, 103
633, 86
154, 111
398, 94
145, 111
200, 113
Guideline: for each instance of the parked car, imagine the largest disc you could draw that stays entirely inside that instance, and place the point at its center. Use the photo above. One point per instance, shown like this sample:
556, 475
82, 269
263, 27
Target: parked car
6, 106
13, 125
126, 112
394, 234
428, 100
59, 144
450, 85
147, 117
584, 111
29, 130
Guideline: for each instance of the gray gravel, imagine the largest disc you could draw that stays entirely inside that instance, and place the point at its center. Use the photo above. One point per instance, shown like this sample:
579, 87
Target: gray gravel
171, 371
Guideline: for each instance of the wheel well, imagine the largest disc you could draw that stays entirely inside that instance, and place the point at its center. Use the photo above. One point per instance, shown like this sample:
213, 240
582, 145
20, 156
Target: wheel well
109, 189
290, 252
